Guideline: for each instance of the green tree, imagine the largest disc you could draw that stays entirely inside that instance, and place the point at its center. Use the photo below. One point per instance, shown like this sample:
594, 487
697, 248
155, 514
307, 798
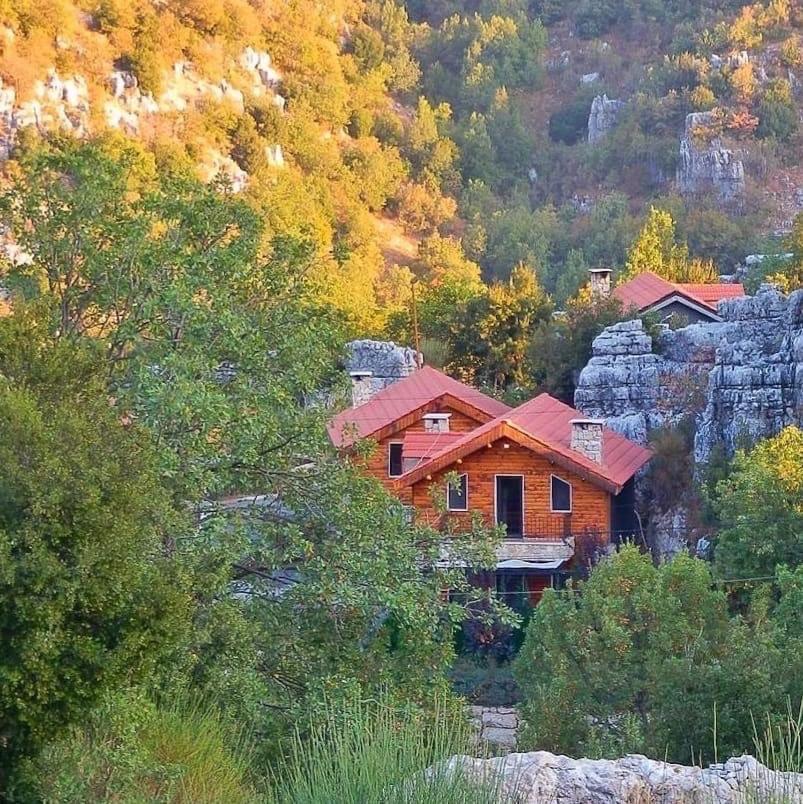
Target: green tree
561, 347
489, 338
760, 507
213, 338
638, 657
91, 598
777, 112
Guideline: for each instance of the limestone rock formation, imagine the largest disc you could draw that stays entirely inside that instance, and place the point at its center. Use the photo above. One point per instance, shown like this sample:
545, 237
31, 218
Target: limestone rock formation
386, 361
602, 117
543, 778
61, 103
707, 165
741, 377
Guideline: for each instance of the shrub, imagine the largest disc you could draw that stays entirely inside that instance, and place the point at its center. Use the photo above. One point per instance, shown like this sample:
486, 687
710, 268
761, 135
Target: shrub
132, 750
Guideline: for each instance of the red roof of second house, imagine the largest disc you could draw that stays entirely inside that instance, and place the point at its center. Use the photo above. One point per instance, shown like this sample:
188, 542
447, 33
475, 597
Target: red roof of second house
548, 422
404, 397
648, 289
711, 294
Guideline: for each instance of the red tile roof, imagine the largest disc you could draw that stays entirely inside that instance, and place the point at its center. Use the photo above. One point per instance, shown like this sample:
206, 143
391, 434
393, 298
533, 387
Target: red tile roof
711, 294
403, 398
647, 289
544, 423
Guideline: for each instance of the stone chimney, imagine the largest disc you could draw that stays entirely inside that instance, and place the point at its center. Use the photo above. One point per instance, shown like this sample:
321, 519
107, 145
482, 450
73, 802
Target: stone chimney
362, 387
600, 279
587, 438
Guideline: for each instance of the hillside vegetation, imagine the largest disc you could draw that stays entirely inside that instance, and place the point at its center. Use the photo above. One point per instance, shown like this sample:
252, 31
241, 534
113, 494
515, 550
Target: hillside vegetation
440, 142
201, 202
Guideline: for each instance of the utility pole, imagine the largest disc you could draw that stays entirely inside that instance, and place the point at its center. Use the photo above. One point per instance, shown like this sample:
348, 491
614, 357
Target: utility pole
416, 337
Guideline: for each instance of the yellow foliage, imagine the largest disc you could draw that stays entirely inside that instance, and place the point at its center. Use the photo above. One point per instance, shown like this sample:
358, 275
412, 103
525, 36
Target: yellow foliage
783, 456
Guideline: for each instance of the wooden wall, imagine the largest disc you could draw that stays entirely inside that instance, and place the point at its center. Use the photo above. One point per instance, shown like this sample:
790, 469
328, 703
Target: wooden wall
591, 506
377, 463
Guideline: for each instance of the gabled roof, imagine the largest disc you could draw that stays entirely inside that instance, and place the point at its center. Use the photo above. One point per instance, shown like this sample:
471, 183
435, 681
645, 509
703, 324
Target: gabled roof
383, 413
648, 289
544, 425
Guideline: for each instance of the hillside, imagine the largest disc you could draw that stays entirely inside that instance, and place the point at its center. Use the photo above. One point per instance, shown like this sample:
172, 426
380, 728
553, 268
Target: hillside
446, 142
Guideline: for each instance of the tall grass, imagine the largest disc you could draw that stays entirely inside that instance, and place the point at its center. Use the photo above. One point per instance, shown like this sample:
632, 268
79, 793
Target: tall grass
779, 746
371, 753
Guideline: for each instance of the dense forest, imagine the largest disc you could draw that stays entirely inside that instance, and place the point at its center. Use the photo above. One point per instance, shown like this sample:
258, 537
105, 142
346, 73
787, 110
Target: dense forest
187, 250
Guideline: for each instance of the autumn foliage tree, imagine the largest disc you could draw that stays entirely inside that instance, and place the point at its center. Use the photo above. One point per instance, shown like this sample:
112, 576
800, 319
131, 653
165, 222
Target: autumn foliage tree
656, 249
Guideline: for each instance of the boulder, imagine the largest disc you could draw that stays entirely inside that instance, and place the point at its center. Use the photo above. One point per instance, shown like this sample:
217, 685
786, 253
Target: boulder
386, 361
540, 777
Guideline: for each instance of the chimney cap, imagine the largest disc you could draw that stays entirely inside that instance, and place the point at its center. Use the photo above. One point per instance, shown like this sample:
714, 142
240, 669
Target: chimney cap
360, 374
578, 422
600, 270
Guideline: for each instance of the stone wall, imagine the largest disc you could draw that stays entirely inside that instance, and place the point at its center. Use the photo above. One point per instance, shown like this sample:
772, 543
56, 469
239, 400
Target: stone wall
741, 378
543, 778
495, 726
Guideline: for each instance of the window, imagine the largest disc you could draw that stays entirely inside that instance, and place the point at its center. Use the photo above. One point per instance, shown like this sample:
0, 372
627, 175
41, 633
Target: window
394, 460
436, 422
561, 495
457, 494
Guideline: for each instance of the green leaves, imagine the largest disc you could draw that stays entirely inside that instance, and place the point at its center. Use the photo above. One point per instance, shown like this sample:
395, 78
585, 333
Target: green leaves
639, 657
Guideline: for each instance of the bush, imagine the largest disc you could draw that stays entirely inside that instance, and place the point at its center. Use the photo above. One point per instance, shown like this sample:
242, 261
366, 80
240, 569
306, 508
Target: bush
569, 124
132, 750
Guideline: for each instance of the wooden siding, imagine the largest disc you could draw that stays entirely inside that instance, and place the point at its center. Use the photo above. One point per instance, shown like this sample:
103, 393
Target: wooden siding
591, 506
377, 463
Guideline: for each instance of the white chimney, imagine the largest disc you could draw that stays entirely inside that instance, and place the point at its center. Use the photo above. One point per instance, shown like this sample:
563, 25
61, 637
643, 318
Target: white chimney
587, 438
600, 279
361, 387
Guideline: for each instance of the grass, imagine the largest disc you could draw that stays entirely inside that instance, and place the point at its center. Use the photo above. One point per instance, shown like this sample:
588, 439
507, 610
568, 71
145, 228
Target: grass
132, 751
779, 746
373, 753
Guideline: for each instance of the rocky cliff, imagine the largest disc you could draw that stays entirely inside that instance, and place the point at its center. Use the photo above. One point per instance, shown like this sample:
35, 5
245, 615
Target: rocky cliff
543, 778
706, 164
741, 378
603, 117
65, 103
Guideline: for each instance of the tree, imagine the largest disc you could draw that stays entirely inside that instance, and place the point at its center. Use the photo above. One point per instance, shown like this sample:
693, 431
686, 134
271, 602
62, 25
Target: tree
656, 250
760, 507
638, 657
488, 340
307, 579
561, 347
90, 597
777, 112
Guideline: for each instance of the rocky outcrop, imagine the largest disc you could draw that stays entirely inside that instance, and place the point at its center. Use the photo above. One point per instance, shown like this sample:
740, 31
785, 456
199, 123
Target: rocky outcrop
602, 117
741, 377
706, 165
543, 778
60, 103
386, 362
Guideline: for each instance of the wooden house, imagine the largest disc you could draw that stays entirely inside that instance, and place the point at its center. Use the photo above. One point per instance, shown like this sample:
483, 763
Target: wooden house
558, 483
685, 302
